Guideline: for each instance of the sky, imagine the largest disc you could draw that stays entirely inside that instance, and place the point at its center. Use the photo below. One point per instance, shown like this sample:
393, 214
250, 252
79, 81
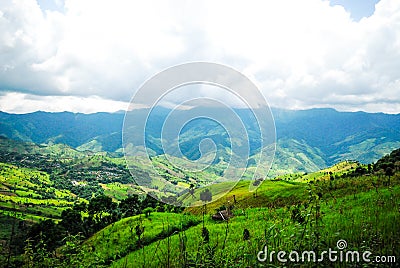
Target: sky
90, 56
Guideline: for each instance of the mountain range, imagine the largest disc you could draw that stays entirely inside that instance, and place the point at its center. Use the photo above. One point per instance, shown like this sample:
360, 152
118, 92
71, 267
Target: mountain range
306, 140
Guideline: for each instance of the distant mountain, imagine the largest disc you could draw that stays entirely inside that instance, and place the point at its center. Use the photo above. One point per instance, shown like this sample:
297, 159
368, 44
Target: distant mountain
336, 136
307, 140
73, 129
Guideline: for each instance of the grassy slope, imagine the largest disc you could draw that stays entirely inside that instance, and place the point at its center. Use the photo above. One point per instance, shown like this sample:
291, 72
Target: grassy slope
345, 212
349, 197
118, 239
269, 194
31, 193
350, 218
288, 189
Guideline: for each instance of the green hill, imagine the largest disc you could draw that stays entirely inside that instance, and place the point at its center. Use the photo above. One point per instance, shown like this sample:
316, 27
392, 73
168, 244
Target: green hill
82, 209
119, 239
228, 246
307, 140
284, 214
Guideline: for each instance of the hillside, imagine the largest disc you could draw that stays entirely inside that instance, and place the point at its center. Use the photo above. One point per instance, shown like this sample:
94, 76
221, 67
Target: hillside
54, 193
306, 140
348, 201
284, 214
86, 174
76, 205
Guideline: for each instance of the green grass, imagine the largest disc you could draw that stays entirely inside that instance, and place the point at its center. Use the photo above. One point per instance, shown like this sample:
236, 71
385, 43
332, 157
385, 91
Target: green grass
324, 174
31, 193
119, 191
30, 218
363, 226
269, 194
364, 211
118, 239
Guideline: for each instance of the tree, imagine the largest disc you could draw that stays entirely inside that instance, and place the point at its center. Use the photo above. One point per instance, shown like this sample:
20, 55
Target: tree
71, 220
102, 211
389, 172
46, 232
81, 207
139, 230
147, 211
191, 189
205, 196
148, 201
130, 206
99, 205
369, 168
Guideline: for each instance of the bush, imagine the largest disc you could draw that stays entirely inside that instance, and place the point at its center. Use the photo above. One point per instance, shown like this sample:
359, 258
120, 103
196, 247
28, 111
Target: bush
147, 211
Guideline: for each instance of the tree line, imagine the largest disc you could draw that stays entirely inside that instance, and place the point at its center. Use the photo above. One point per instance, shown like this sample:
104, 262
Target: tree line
84, 219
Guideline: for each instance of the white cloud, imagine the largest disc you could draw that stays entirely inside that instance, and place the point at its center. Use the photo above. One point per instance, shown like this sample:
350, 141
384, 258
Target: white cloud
25, 103
301, 53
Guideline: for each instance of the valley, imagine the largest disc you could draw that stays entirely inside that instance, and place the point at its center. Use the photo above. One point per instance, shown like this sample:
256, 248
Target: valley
306, 140
90, 203
70, 200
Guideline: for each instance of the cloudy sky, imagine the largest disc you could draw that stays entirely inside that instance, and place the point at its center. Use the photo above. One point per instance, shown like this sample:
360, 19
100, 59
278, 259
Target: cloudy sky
89, 56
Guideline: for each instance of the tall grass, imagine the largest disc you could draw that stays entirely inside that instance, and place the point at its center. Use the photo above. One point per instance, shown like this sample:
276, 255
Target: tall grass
367, 219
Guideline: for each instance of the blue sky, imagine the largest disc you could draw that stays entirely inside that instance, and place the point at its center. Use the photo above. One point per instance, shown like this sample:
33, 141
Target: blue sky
357, 8
52, 5
88, 56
